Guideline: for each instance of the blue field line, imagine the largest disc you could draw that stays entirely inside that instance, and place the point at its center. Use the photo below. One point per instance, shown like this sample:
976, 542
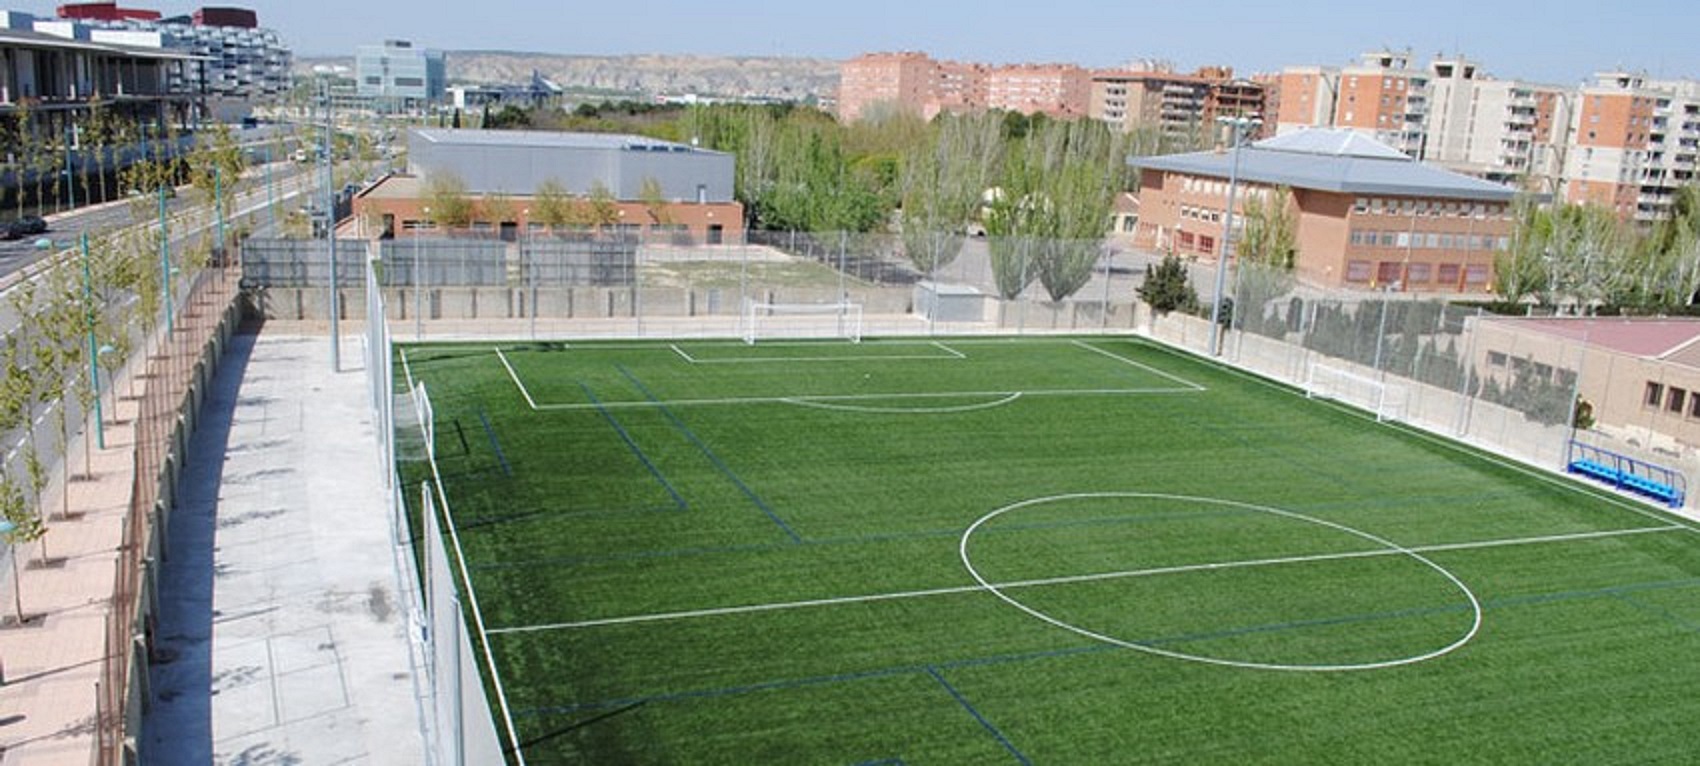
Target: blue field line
713, 458
495, 444
1658, 611
632, 444
1090, 648
969, 706
713, 550
799, 683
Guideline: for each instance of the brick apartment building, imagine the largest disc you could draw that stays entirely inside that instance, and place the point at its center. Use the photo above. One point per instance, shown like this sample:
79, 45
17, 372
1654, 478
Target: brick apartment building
915, 83
1177, 105
1382, 97
1634, 143
1368, 215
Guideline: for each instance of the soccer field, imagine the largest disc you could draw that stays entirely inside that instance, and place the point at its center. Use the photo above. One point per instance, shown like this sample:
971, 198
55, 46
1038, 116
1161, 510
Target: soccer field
1033, 550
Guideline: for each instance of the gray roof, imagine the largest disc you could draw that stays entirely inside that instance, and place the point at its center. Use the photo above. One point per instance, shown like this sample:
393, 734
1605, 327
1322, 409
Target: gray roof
551, 140
1334, 160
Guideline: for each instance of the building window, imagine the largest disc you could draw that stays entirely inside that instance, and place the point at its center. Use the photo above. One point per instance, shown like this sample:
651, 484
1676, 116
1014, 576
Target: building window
1388, 238
1361, 206
1357, 271
1676, 399
1449, 273
1207, 244
1419, 273
1496, 359
1476, 274
1655, 394
1694, 406
1388, 272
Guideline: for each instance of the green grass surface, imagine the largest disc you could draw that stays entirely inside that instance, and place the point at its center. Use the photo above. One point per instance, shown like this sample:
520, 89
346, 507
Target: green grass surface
708, 552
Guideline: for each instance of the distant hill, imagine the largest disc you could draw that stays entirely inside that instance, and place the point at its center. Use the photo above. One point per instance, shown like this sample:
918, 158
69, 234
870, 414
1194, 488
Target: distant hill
642, 74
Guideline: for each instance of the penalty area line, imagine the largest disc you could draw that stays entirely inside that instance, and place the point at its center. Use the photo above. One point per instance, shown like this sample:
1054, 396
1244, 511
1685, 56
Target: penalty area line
514, 376
1073, 579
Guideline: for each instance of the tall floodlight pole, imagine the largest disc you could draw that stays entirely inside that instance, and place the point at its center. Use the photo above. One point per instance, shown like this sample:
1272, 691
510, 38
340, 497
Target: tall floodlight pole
94, 352
330, 229
218, 209
1237, 126
165, 260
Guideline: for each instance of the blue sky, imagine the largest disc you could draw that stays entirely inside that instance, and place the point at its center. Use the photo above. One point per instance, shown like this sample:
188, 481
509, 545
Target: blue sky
1550, 41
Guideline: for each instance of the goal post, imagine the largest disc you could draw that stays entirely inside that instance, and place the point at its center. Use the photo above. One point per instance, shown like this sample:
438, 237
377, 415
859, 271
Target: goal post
766, 321
1331, 381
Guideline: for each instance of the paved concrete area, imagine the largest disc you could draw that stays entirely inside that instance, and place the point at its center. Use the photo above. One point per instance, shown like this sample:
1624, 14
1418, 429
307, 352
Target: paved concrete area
282, 614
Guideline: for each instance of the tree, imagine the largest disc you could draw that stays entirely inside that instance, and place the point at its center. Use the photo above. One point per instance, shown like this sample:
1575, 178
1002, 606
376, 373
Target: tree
1167, 287
943, 178
603, 210
499, 208
551, 205
447, 197
654, 201
1271, 229
1519, 270
1051, 210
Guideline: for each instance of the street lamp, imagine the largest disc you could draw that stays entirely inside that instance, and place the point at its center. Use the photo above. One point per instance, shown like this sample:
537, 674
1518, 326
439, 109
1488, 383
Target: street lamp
1237, 128
418, 274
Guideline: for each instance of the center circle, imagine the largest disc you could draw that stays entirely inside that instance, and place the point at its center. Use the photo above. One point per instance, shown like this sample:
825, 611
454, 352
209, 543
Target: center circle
1385, 548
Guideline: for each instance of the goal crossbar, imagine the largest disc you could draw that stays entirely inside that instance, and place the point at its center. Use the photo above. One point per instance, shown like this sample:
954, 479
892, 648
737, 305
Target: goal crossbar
801, 320
1326, 381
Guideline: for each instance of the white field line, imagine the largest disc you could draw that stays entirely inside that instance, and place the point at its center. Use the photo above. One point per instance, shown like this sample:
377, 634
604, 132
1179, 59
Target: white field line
1479, 453
1069, 579
1130, 362
949, 350
517, 382
472, 600
819, 405
799, 398
681, 352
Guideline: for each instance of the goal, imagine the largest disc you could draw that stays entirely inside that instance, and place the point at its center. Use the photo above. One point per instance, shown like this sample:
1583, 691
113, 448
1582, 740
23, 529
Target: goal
1385, 400
765, 321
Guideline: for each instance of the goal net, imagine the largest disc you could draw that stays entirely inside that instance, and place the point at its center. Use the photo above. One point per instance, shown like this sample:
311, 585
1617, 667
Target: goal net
766, 321
1384, 400
415, 433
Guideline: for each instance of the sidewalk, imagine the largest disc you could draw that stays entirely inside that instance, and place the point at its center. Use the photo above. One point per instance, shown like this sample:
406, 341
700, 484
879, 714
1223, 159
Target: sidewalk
281, 636
280, 617
47, 706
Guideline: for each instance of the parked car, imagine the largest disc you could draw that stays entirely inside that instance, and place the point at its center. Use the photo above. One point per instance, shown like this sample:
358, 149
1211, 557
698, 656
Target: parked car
27, 226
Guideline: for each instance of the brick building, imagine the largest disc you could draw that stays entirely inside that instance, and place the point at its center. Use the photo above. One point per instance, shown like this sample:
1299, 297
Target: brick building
502, 171
914, 83
1382, 97
1635, 142
1368, 216
1180, 106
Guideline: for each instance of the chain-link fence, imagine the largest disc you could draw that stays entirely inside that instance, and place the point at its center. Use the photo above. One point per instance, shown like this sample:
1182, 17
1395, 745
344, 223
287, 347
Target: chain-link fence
1449, 367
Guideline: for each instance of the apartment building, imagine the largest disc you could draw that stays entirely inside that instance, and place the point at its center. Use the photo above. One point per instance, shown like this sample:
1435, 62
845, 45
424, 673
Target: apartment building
1368, 215
1634, 144
1506, 131
905, 83
231, 55
914, 83
1381, 96
1055, 90
1179, 106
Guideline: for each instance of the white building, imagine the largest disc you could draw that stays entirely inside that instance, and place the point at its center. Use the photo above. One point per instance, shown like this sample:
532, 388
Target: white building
399, 74
1506, 131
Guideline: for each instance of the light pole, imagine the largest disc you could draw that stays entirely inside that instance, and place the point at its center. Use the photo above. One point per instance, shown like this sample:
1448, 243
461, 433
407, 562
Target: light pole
1237, 127
418, 278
